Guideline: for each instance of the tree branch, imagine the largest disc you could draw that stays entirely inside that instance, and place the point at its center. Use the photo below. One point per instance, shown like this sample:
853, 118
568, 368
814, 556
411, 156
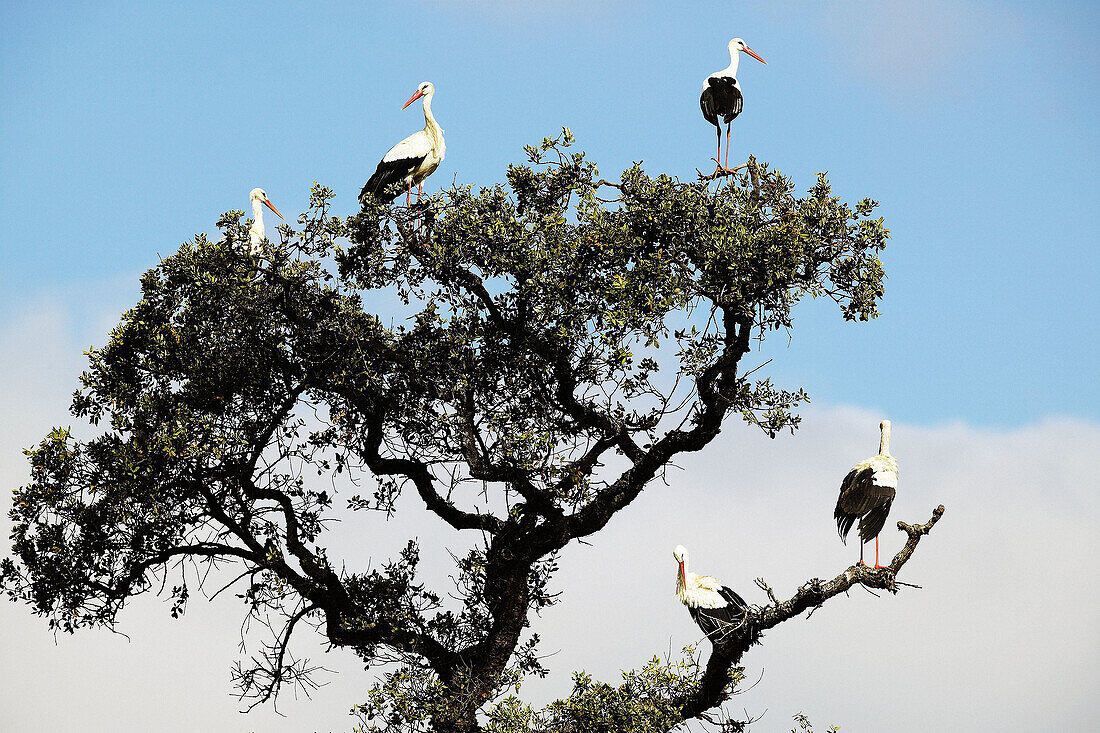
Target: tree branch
721, 172
712, 689
418, 473
716, 386
283, 640
121, 588
483, 469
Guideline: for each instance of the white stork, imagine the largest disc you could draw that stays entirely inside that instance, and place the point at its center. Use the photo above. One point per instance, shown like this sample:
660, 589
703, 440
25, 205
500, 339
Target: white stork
256, 233
718, 610
867, 493
721, 97
414, 158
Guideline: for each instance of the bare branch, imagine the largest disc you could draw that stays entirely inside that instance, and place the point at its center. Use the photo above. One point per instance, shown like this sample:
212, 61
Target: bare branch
712, 690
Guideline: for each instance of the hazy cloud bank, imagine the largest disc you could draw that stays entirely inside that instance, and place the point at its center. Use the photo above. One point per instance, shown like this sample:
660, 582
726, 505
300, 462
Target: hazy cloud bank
1002, 635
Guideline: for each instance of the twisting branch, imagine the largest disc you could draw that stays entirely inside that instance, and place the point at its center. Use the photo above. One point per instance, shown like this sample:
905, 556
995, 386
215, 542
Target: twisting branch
712, 689
417, 472
716, 387
915, 532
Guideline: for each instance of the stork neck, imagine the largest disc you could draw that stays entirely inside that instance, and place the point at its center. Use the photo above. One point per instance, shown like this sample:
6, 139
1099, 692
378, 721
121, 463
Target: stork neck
430, 125
884, 442
735, 59
258, 218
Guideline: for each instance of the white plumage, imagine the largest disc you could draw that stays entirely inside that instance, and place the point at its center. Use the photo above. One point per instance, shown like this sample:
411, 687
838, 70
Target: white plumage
256, 235
414, 158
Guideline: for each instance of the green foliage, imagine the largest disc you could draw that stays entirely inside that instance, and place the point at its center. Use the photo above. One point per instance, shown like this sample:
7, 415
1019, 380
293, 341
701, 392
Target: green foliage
643, 703
804, 724
529, 332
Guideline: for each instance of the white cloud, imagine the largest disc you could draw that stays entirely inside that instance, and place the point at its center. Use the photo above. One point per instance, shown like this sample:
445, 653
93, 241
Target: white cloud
1007, 602
1002, 636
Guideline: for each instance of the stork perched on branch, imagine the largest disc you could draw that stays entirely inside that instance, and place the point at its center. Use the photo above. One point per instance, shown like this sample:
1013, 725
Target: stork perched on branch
867, 493
414, 158
721, 97
256, 235
718, 610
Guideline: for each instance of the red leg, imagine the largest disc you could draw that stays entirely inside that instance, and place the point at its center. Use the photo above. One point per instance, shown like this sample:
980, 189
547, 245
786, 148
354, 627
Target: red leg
861, 553
408, 195
718, 159
876, 555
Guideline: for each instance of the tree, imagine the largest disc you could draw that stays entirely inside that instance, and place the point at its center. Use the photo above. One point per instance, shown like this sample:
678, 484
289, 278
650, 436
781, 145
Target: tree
562, 350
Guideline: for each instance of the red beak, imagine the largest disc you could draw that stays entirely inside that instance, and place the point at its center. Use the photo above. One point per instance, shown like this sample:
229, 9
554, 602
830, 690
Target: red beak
683, 579
268, 205
413, 98
752, 53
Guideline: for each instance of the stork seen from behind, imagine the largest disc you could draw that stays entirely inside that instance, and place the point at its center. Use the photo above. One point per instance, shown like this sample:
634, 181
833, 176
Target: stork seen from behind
867, 493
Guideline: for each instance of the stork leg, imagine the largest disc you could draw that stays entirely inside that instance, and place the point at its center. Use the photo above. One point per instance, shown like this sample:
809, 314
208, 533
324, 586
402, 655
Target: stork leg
861, 553
876, 555
718, 159
408, 195
726, 166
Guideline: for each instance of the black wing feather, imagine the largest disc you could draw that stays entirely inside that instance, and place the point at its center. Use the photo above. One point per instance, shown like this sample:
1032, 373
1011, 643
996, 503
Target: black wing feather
387, 173
861, 498
874, 520
725, 622
709, 107
721, 97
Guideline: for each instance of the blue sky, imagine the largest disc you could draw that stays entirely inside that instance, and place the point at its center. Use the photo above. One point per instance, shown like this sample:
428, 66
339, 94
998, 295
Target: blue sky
126, 128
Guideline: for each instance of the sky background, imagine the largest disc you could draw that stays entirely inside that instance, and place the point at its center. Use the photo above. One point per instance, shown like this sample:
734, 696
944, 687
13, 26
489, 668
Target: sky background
127, 128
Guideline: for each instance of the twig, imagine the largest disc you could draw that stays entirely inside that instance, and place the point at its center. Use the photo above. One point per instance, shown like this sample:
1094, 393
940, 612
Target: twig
721, 172
762, 585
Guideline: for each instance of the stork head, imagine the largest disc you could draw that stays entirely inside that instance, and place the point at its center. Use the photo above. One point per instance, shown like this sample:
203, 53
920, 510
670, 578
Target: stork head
680, 554
738, 44
884, 438
426, 89
258, 194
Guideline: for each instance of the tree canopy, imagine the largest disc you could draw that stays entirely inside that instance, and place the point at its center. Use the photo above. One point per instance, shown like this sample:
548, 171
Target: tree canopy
551, 344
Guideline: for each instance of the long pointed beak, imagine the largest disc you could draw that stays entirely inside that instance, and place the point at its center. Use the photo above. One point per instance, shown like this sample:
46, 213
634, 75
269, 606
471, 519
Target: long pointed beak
268, 205
683, 579
413, 98
752, 53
